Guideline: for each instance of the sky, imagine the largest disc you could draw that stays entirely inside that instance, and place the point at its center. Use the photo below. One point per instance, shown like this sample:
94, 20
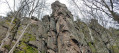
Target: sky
76, 12
5, 8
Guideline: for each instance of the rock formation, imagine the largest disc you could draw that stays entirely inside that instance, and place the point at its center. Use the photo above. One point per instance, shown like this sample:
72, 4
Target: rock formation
58, 33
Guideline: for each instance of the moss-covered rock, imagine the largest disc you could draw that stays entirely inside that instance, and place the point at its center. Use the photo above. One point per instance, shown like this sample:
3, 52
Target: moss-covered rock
24, 48
58, 33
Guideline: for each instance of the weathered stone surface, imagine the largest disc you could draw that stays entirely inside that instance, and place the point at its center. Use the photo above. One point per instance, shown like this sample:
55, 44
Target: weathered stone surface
58, 33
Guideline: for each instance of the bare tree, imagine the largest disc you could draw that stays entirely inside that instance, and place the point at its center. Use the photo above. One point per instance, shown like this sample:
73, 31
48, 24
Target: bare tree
108, 7
8, 32
11, 51
29, 9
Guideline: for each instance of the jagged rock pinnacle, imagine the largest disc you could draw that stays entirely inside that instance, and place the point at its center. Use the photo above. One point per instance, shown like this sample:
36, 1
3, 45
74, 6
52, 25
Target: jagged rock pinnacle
58, 33
60, 9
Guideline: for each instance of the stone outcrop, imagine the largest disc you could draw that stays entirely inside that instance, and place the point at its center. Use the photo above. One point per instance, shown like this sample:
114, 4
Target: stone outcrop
58, 33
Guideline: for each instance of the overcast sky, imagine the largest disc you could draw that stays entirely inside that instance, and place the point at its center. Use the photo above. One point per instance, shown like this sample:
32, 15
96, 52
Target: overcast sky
4, 9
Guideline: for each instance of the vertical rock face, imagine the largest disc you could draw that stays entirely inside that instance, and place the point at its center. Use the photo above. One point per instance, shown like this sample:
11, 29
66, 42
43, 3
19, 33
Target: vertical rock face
58, 33
61, 31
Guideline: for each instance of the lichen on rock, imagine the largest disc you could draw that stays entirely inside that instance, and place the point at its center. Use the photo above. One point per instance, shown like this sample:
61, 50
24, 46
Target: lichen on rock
59, 33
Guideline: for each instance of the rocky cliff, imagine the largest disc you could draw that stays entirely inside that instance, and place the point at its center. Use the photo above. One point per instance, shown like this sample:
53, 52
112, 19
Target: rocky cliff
58, 33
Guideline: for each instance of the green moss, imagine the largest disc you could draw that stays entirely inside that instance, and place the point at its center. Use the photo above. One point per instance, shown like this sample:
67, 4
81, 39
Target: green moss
8, 23
7, 47
8, 19
2, 22
17, 51
19, 32
16, 20
31, 50
29, 37
115, 49
93, 49
26, 48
